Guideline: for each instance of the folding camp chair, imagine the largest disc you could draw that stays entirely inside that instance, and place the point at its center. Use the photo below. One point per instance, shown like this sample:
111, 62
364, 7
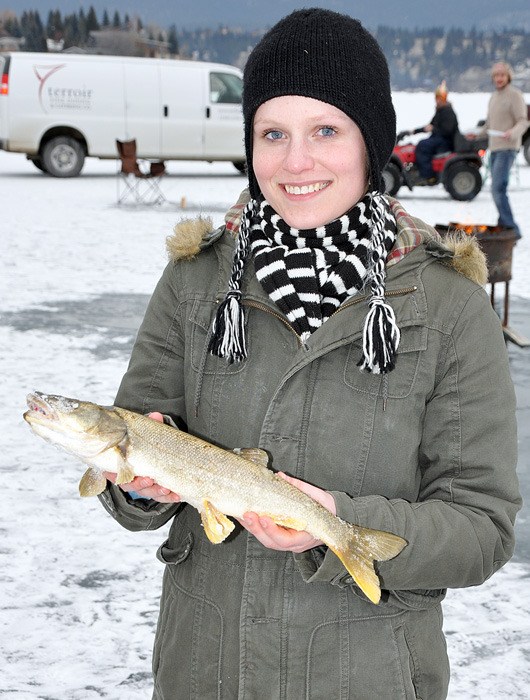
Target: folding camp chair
138, 179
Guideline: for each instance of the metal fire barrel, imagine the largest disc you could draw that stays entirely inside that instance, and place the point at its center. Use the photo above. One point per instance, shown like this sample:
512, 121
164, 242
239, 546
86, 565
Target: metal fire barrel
497, 244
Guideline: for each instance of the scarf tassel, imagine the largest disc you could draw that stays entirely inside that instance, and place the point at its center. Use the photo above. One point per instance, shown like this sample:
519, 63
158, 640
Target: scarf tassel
380, 338
228, 329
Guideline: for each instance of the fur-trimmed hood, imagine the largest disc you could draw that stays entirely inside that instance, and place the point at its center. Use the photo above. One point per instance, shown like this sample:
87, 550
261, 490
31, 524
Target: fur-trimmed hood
457, 249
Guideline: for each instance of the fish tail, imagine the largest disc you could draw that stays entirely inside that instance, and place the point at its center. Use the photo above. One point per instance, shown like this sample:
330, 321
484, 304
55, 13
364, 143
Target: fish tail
362, 547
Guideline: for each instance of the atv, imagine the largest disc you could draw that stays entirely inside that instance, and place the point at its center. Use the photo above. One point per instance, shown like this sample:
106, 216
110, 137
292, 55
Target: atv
458, 170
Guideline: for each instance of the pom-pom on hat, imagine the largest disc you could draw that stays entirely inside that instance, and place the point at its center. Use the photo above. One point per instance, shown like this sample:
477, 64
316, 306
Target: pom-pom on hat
330, 57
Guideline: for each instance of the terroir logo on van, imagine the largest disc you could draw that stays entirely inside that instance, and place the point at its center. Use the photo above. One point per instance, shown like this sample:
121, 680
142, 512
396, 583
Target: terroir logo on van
59, 97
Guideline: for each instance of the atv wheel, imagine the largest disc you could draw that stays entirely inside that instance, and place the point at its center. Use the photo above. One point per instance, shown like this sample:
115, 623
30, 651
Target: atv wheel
63, 156
462, 181
392, 178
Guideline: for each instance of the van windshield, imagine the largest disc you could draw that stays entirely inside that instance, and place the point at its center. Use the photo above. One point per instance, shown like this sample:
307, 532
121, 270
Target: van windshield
225, 88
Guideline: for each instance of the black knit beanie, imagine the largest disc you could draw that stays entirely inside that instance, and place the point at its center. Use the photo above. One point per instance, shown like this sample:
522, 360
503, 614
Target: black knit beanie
330, 57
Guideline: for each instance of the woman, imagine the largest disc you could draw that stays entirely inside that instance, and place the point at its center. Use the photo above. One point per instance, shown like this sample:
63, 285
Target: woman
350, 346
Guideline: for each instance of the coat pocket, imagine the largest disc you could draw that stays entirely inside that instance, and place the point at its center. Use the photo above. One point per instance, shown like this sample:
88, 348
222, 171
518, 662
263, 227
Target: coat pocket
200, 316
365, 658
176, 554
400, 381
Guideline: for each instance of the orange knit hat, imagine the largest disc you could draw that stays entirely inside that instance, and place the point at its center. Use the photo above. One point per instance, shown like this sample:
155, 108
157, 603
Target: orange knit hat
441, 91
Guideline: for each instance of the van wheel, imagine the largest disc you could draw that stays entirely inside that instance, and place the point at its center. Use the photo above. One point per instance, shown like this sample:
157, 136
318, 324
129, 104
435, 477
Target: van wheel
63, 156
37, 162
241, 166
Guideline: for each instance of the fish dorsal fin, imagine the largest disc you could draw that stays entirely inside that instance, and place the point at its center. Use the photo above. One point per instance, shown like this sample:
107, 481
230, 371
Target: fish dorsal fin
92, 482
253, 454
216, 525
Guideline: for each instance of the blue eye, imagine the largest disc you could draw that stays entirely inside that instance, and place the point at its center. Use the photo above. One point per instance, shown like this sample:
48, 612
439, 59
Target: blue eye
274, 135
327, 131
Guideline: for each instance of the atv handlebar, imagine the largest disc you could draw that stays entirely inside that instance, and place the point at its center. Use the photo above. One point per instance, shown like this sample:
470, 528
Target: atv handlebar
402, 135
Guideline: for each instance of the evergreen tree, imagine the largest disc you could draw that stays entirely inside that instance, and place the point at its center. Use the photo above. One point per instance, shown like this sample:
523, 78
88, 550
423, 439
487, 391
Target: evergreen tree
82, 28
116, 21
33, 31
54, 25
173, 41
72, 36
92, 23
106, 21
12, 27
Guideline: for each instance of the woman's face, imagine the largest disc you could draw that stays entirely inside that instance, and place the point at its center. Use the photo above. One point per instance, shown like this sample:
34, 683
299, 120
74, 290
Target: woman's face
309, 159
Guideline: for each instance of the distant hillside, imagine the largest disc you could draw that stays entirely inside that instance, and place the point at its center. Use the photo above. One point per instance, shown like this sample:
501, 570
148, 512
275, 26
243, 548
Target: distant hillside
417, 59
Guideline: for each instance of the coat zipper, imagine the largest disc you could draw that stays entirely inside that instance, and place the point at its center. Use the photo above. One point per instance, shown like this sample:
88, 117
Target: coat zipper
356, 300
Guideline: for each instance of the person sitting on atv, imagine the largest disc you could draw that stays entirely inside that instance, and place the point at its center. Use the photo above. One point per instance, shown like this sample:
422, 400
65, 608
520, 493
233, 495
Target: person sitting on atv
442, 128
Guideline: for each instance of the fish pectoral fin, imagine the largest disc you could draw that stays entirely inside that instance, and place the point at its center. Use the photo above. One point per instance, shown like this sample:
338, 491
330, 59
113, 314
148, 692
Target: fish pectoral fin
92, 482
125, 474
216, 525
253, 454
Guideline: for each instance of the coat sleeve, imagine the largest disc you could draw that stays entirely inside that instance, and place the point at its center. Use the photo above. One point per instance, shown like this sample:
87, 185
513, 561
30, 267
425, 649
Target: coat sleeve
520, 113
153, 382
461, 529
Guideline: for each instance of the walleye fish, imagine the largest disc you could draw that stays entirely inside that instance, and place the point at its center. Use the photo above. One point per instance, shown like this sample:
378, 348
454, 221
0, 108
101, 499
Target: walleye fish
215, 481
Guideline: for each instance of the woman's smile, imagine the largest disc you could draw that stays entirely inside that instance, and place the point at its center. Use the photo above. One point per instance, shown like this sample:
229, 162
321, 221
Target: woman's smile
298, 190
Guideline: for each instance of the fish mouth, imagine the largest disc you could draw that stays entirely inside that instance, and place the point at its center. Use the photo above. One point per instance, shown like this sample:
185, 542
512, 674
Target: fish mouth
39, 407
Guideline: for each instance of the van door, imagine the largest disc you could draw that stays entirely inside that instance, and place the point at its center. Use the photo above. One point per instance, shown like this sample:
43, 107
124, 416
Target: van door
143, 118
182, 107
223, 130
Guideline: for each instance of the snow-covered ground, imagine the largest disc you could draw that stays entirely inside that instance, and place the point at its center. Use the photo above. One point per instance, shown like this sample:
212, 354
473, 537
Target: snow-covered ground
79, 594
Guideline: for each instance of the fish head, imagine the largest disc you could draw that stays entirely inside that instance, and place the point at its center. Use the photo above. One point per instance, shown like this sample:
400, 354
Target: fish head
79, 427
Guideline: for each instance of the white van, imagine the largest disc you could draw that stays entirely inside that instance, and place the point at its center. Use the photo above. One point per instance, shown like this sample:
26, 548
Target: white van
60, 108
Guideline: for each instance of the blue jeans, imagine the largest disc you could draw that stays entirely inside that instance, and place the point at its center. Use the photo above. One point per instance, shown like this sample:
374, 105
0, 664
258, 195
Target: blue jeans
426, 149
500, 164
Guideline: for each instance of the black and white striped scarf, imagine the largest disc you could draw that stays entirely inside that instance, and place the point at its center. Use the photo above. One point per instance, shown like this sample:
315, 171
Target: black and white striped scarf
309, 273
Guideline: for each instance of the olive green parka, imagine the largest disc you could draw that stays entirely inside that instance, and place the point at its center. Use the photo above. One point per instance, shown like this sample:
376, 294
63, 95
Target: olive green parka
427, 451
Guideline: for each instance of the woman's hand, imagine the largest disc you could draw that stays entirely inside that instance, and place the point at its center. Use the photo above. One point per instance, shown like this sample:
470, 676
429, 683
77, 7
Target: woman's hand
285, 539
143, 485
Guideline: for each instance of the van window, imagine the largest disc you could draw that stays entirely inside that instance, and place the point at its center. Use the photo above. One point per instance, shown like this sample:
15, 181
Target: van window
225, 88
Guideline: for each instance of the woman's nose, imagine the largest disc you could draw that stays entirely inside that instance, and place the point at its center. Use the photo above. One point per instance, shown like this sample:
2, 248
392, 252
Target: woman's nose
298, 156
